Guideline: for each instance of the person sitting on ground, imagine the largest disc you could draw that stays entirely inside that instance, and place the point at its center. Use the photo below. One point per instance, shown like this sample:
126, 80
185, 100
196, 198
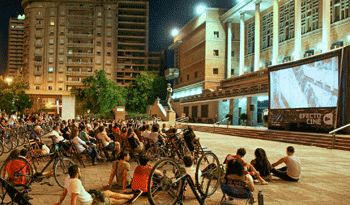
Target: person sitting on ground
75, 189
239, 155
57, 138
83, 148
107, 143
292, 170
134, 141
261, 164
236, 171
153, 136
36, 136
120, 169
142, 173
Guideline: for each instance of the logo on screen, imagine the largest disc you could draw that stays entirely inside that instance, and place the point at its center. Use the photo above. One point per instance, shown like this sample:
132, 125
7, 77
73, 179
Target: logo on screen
328, 119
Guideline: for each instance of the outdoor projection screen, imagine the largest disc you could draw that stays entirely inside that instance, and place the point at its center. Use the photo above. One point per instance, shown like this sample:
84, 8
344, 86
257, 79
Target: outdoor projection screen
311, 85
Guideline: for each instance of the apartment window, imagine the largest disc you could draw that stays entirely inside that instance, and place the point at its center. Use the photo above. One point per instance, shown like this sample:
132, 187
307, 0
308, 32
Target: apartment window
98, 43
188, 76
98, 52
50, 60
266, 31
216, 52
61, 41
39, 22
108, 62
37, 88
99, 34
98, 61
339, 10
109, 34
232, 54
52, 33
52, 13
196, 74
216, 34
51, 51
250, 37
99, 14
60, 60
204, 111
109, 24
51, 69
61, 33
286, 22
232, 71
51, 41
61, 51
62, 13
215, 70
60, 88
108, 53
52, 23
40, 13
49, 79
109, 44
99, 24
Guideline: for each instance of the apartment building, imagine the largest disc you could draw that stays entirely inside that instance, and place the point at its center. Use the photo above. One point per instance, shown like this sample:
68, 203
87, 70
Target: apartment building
65, 41
15, 46
255, 35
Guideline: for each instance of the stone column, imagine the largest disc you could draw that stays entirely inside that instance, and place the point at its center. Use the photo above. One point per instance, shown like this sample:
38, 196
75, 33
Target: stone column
229, 50
257, 36
326, 25
275, 34
249, 112
241, 45
297, 30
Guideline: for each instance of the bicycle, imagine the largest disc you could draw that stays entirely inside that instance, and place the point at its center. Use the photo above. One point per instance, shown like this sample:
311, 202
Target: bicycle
170, 188
25, 174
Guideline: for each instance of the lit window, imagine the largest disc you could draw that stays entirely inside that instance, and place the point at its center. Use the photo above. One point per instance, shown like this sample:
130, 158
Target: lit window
216, 34
51, 69
52, 23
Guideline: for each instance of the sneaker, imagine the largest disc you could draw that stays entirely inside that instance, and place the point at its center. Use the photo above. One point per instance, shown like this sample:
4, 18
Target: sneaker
137, 194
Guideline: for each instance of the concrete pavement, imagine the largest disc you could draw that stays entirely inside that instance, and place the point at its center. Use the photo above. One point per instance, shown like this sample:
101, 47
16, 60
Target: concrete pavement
325, 174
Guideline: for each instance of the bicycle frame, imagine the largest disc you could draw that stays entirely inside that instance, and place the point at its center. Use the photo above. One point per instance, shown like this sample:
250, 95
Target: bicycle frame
200, 198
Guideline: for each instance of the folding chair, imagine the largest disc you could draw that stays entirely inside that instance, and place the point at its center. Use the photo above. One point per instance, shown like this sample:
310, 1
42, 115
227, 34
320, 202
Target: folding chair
17, 197
75, 154
236, 189
36, 151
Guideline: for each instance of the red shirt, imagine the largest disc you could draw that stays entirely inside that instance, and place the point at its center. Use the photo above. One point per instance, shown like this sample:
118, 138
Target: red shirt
140, 178
15, 166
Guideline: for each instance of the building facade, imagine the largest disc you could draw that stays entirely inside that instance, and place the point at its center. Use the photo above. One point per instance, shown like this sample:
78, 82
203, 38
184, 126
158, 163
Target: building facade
66, 41
15, 46
259, 34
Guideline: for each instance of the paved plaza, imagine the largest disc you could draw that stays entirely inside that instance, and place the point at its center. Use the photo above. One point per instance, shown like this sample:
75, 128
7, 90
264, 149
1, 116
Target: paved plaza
325, 175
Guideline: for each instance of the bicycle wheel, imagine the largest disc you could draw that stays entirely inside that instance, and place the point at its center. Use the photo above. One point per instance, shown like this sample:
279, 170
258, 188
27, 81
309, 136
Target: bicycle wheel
165, 190
17, 171
14, 141
156, 153
7, 143
61, 170
208, 174
21, 139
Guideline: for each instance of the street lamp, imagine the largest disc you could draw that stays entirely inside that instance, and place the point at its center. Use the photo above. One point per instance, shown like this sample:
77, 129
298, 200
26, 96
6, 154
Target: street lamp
174, 32
8, 80
201, 8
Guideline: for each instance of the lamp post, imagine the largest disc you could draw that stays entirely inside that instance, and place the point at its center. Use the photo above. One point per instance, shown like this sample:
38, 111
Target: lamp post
8, 80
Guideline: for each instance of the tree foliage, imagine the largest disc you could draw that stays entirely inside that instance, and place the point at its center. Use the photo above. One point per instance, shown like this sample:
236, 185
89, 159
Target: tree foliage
148, 86
13, 96
99, 94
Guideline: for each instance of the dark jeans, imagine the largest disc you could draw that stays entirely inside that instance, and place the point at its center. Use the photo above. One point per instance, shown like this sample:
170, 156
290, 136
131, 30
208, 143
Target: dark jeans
92, 152
282, 173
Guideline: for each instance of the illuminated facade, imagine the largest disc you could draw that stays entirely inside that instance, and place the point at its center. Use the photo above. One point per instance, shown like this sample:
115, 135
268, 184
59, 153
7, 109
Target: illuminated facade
259, 34
15, 46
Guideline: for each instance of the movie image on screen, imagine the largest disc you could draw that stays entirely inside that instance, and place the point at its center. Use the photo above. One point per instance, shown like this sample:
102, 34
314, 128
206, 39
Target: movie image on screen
310, 85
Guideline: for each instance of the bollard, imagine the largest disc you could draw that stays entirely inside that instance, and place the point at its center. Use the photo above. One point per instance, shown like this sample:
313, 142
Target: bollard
260, 198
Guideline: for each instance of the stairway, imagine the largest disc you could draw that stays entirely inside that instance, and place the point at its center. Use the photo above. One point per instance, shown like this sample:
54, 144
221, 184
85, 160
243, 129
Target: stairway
311, 139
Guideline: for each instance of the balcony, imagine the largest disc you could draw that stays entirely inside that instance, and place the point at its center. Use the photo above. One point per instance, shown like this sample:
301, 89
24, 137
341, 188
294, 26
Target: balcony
80, 7
39, 17
81, 54
39, 35
78, 35
38, 53
80, 45
39, 26
79, 73
79, 63
37, 82
74, 82
38, 63
37, 72
38, 45
70, 25
81, 16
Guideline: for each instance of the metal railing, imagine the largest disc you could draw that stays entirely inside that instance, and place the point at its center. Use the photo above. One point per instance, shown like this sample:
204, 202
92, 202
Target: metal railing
333, 132
218, 123
181, 120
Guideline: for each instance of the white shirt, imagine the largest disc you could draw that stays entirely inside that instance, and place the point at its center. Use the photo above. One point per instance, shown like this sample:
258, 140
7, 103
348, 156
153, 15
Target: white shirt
75, 186
153, 137
293, 167
146, 133
79, 144
55, 136
12, 119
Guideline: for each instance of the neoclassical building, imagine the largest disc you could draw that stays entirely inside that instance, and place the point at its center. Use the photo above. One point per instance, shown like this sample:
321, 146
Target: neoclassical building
222, 55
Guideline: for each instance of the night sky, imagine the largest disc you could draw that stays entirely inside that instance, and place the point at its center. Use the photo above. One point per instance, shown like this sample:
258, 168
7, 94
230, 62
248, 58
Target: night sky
163, 16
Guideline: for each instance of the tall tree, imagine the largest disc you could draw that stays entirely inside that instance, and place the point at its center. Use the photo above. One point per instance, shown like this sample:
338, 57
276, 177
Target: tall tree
99, 94
13, 96
148, 86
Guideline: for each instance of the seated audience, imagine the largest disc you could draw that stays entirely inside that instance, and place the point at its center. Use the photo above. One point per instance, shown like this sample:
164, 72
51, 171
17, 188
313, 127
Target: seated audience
83, 148
36, 136
262, 164
107, 143
292, 170
134, 141
74, 188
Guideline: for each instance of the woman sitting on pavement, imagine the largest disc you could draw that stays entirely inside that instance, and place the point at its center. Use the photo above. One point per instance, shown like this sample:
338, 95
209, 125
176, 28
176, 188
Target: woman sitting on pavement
83, 148
261, 164
235, 171
120, 169
107, 143
134, 141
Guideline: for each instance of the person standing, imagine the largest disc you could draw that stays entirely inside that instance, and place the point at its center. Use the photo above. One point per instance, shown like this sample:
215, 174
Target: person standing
292, 170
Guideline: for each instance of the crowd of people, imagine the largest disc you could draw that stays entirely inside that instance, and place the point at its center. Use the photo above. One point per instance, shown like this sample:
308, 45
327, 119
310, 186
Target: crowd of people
122, 138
